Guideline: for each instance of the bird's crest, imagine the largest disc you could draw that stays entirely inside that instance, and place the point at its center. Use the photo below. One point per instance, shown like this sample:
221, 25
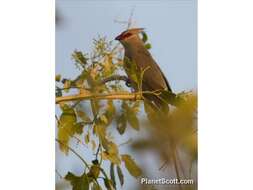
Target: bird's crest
127, 33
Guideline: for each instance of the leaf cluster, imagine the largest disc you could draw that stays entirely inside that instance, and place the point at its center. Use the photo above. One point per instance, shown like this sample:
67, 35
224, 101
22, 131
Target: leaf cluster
89, 122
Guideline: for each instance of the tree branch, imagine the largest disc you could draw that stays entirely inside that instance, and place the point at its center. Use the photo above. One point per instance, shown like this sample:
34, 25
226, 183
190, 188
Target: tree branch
129, 82
115, 77
72, 150
111, 96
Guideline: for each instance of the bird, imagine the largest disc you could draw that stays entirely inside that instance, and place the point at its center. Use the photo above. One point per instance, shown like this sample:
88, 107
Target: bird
153, 78
136, 53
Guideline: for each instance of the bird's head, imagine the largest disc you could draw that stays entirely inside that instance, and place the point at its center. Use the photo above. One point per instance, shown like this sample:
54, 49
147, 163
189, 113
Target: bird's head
129, 34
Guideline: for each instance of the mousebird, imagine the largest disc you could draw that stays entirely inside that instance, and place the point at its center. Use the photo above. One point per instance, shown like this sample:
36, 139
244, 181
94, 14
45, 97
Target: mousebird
153, 77
136, 52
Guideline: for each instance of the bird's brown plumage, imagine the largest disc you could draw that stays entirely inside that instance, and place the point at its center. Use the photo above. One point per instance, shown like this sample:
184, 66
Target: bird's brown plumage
153, 78
135, 51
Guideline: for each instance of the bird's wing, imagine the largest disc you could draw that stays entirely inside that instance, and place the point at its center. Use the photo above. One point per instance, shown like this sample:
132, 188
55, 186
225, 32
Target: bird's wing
153, 77
165, 79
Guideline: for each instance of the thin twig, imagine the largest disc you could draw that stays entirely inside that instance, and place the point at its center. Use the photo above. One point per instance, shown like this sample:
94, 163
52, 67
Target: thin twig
97, 151
72, 150
163, 165
75, 104
58, 173
174, 159
103, 172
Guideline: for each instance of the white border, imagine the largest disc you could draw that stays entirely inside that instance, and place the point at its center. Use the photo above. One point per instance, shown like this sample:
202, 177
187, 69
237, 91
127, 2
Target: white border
225, 94
27, 94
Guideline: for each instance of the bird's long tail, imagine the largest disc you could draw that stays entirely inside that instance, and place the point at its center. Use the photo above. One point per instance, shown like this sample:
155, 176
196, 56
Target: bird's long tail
161, 110
176, 165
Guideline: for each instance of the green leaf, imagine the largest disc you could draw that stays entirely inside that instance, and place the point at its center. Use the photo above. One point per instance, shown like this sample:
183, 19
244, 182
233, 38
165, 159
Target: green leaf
94, 171
132, 70
93, 144
168, 97
95, 186
148, 46
108, 184
136, 107
79, 57
130, 112
112, 175
87, 138
58, 78
104, 119
67, 85
83, 115
110, 111
144, 37
101, 133
150, 110
131, 166
63, 136
79, 80
133, 120
120, 175
112, 148
111, 153
79, 128
114, 158
121, 123
78, 182
108, 66
66, 126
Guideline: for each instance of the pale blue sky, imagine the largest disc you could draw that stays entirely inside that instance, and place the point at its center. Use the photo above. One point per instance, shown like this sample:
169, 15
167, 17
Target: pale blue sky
170, 24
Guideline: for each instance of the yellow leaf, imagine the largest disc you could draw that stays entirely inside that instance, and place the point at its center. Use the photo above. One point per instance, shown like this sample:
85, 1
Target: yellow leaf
108, 66
121, 123
133, 120
87, 138
94, 171
104, 119
114, 158
131, 166
108, 184
67, 85
93, 143
101, 133
67, 126
78, 182
111, 153
112, 148
110, 111
57, 78
63, 136
83, 116
120, 175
